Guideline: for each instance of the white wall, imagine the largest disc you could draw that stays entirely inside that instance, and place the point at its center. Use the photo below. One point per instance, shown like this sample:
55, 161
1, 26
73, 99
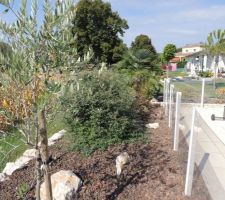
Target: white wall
205, 62
191, 49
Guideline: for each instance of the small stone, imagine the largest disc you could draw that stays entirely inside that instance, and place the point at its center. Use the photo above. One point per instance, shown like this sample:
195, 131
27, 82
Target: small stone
181, 127
171, 181
121, 160
180, 78
154, 100
152, 125
65, 185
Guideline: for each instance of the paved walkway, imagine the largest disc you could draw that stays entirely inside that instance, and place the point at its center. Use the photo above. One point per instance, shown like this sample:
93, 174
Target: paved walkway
210, 146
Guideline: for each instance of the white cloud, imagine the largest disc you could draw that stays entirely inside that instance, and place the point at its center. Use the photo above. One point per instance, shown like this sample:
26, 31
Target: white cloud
211, 13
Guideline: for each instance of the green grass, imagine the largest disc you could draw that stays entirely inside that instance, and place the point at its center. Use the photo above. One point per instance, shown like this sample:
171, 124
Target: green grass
173, 74
191, 91
12, 146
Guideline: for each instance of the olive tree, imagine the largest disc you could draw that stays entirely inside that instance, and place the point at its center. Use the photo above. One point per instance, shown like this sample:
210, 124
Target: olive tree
41, 55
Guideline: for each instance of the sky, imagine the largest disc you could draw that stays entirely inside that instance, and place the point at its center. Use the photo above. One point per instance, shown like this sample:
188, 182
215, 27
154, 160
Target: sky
166, 21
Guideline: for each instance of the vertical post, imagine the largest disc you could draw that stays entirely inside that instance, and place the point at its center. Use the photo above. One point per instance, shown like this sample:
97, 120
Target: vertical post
203, 92
164, 92
170, 105
191, 158
166, 85
177, 121
167, 95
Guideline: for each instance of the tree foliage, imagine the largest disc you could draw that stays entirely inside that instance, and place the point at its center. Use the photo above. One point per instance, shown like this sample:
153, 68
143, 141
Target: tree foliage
169, 52
100, 112
98, 27
32, 72
216, 46
216, 42
139, 59
143, 42
141, 55
5, 49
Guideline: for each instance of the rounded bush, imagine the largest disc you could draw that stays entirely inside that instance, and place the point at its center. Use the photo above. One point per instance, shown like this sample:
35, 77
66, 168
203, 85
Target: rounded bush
100, 112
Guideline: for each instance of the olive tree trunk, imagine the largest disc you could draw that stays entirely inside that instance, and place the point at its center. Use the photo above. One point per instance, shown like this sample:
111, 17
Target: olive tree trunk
38, 175
44, 153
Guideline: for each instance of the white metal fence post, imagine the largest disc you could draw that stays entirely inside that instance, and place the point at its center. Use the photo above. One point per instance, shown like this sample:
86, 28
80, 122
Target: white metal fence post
170, 105
191, 157
164, 92
177, 121
167, 95
203, 92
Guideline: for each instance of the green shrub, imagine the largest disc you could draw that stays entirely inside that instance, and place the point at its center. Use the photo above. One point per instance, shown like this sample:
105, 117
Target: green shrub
205, 74
145, 82
101, 112
181, 64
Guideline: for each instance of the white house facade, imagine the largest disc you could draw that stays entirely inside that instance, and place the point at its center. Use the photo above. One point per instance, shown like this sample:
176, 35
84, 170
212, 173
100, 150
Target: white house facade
192, 48
203, 61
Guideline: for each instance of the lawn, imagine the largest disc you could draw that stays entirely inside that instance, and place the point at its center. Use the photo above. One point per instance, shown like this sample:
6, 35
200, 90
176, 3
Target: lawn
12, 145
191, 90
180, 72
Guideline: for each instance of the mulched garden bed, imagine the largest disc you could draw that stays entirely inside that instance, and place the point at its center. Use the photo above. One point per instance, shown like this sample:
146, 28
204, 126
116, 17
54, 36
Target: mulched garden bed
155, 171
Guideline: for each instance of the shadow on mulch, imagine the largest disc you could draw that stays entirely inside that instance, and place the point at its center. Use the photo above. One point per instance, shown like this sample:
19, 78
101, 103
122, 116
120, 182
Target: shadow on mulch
154, 172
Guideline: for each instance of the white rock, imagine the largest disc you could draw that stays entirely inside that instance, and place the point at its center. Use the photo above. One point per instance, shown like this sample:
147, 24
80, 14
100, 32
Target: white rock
65, 185
180, 77
50, 143
182, 127
121, 160
30, 153
12, 167
154, 102
152, 125
20, 163
57, 136
2, 177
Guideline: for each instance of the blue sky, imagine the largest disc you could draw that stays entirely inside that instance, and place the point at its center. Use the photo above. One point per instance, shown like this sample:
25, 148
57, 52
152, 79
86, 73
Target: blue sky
168, 21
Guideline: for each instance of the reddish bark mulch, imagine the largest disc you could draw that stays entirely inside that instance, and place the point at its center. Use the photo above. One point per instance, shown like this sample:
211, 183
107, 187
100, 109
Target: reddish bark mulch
155, 171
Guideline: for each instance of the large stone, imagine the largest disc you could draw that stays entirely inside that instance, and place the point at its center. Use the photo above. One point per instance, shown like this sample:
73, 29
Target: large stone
20, 163
12, 167
65, 185
30, 153
57, 136
152, 125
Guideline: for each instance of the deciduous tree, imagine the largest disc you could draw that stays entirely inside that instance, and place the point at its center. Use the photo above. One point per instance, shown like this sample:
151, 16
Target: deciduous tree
98, 27
169, 53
